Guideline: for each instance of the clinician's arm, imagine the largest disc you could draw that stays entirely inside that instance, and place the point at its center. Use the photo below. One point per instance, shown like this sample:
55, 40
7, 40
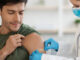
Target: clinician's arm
34, 42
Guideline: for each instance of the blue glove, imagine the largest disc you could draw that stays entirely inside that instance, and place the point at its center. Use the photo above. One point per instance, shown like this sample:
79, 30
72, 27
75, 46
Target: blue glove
53, 45
35, 55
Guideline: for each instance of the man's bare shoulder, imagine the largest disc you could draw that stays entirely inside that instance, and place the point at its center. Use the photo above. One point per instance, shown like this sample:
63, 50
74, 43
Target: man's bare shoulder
32, 42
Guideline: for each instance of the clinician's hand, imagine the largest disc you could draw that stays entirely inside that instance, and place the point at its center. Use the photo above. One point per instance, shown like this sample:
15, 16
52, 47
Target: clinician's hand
52, 45
35, 55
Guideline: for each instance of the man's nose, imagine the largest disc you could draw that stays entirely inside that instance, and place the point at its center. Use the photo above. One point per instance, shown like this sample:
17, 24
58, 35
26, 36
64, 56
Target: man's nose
17, 17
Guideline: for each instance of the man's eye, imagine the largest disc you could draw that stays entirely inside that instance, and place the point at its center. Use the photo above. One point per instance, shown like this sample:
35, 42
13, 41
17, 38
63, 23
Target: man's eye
11, 12
21, 13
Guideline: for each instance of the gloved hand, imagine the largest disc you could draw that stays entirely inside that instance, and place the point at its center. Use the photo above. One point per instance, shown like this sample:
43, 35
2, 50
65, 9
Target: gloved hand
35, 55
53, 45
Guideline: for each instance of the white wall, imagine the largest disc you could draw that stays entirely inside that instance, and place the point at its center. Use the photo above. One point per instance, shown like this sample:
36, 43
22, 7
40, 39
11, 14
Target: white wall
42, 19
48, 19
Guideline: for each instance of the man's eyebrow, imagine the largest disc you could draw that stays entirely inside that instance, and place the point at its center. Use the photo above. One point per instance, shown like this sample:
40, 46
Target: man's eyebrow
15, 11
22, 11
12, 10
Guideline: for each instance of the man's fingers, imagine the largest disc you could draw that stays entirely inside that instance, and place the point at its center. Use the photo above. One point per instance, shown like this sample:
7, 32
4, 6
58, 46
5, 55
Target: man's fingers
19, 44
19, 36
19, 41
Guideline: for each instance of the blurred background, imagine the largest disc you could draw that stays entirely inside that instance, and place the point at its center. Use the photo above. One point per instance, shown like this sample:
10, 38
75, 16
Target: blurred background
53, 19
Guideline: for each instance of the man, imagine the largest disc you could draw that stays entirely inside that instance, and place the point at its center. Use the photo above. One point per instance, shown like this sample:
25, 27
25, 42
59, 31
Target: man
17, 41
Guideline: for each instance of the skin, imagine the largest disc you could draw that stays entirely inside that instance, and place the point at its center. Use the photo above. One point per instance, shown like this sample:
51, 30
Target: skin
76, 3
32, 42
12, 17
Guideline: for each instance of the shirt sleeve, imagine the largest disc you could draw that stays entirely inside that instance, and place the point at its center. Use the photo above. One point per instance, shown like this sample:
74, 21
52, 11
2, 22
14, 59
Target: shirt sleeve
26, 30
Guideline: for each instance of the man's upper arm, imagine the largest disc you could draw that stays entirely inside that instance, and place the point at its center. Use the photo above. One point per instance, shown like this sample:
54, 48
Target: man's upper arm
33, 42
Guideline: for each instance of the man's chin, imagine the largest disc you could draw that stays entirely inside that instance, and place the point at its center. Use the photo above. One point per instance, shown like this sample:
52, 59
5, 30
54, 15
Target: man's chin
14, 30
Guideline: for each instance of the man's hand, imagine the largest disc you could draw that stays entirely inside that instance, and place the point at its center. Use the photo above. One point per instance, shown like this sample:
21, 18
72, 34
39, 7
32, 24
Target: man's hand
12, 43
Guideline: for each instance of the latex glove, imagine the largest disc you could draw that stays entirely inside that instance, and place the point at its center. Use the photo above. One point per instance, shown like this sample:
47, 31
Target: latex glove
53, 45
35, 55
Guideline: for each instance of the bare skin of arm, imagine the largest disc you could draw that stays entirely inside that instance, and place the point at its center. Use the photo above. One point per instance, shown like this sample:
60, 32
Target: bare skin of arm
3, 54
33, 42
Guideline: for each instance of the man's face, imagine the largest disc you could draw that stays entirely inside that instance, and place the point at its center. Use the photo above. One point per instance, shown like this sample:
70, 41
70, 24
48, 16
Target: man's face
76, 3
12, 16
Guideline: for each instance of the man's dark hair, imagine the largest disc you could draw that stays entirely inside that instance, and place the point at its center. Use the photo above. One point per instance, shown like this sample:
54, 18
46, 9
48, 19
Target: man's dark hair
5, 2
